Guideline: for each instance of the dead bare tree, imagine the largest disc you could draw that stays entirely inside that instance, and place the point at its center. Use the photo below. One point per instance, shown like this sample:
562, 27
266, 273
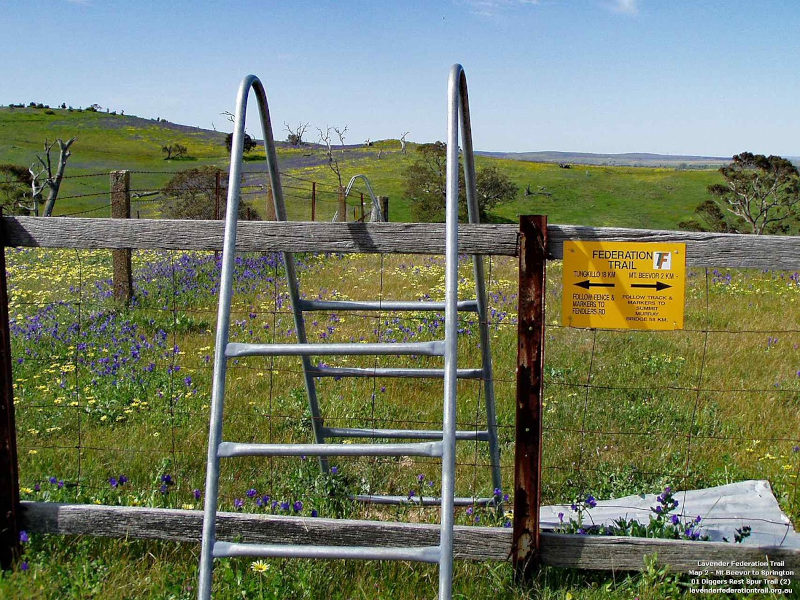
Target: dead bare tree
333, 163
44, 178
403, 142
340, 133
295, 137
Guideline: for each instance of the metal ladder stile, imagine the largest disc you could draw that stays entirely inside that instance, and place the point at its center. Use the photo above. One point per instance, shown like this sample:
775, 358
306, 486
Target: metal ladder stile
426, 443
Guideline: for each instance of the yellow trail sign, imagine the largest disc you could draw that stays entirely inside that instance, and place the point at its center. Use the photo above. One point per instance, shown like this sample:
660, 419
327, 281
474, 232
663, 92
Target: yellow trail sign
624, 285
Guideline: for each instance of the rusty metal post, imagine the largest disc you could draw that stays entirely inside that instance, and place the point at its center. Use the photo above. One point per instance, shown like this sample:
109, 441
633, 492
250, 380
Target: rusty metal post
121, 209
362, 207
313, 200
525, 549
9, 468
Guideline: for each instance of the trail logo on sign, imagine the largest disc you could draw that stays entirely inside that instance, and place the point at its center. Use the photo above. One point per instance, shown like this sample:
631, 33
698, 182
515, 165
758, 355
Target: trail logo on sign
662, 260
624, 285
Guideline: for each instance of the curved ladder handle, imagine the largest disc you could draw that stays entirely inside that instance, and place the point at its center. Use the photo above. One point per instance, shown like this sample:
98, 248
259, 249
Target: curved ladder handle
377, 213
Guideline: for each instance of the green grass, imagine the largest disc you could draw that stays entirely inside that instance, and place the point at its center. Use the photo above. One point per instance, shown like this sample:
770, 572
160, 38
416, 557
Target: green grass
629, 430
596, 196
628, 433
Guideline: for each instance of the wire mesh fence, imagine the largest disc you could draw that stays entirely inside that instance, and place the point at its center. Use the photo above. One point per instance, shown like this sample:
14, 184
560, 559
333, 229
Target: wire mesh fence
112, 402
87, 195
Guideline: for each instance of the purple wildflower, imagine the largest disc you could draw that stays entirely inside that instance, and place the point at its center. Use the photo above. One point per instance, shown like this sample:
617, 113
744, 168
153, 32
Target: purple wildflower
334, 470
53, 480
122, 480
298, 506
314, 512
561, 517
251, 493
675, 520
197, 493
420, 477
238, 503
590, 501
167, 479
24, 566
113, 482
284, 506
36, 487
23, 536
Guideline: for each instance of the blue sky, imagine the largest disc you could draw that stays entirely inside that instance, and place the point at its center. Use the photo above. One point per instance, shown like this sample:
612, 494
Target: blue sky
679, 77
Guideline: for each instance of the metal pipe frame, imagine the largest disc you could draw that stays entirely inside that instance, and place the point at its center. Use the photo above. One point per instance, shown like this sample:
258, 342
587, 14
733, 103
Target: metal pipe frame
376, 214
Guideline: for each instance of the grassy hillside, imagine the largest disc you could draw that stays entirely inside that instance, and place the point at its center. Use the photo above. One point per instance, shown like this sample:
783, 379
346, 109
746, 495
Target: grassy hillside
587, 195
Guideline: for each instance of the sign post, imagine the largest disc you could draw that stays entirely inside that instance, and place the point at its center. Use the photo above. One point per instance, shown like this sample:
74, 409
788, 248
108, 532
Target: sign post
624, 285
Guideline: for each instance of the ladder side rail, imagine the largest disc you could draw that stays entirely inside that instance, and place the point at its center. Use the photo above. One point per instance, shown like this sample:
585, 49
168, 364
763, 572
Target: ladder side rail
454, 107
473, 211
291, 273
223, 327
376, 214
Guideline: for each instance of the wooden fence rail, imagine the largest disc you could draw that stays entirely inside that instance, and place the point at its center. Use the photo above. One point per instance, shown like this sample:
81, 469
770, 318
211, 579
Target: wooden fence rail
470, 543
703, 249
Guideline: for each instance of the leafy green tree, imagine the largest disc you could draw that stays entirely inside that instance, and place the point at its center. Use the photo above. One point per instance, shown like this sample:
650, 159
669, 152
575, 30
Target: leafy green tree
248, 144
191, 194
174, 151
425, 181
763, 192
710, 217
15, 187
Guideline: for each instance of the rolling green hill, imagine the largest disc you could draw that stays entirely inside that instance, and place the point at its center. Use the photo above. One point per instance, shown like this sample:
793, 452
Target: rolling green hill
586, 195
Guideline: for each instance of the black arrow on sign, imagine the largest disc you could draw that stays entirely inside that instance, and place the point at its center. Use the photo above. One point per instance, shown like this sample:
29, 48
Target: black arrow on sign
658, 286
587, 284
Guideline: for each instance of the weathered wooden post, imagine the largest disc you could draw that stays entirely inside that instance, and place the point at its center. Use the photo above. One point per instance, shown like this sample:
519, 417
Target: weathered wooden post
121, 209
362, 207
384, 200
525, 549
9, 468
313, 200
270, 212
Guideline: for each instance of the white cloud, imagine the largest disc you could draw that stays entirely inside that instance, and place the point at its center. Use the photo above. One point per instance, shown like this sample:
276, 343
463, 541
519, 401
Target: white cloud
628, 7
488, 8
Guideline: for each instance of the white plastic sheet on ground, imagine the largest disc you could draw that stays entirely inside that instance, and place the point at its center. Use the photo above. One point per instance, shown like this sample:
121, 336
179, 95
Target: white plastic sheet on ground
723, 509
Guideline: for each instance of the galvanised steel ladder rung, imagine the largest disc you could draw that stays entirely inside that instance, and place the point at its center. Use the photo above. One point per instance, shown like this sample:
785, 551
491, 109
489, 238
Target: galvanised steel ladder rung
429, 554
231, 449
401, 434
384, 305
236, 349
392, 372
